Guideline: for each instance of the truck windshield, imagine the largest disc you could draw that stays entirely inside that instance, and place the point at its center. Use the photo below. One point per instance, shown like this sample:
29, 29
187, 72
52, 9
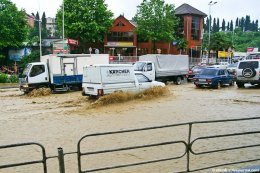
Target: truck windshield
26, 70
139, 66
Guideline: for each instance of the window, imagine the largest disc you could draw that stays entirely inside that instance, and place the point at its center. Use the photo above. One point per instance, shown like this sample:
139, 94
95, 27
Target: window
120, 36
141, 78
195, 28
221, 72
36, 70
181, 25
248, 64
120, 24
149, 67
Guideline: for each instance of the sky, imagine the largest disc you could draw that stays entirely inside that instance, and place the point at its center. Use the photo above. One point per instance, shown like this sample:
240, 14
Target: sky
227, 9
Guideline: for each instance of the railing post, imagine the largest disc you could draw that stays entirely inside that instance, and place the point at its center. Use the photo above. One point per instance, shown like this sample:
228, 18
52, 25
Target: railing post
189, 148
61, 160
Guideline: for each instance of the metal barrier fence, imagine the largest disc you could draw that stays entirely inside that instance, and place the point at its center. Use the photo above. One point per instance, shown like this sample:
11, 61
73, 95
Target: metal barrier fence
187, 153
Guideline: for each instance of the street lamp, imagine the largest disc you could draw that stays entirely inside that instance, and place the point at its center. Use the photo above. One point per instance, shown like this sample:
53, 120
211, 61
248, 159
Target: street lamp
210, 4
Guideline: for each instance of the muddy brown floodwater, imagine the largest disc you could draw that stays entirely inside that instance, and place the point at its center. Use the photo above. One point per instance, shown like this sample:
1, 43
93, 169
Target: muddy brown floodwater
60, 120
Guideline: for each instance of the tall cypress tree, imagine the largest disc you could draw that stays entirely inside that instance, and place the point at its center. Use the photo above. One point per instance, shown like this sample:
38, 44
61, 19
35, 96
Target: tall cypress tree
43, 21
218, 25
36, 21
237, 22
214, 25
223, 28
243, 24
231, 25
256, 25
228, 29
247, 23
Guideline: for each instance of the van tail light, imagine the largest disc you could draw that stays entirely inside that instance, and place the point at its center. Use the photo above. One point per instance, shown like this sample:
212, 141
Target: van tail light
190, 72
100, 92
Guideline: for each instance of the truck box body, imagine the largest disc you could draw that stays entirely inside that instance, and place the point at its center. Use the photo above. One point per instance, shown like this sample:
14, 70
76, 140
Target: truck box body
59, 72
108, 78
168, 65
68, 69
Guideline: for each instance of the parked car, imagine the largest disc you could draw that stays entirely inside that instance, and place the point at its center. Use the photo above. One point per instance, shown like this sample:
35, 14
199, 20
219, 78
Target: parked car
222, 65
195, 70
232, 68
214, 78
248, 71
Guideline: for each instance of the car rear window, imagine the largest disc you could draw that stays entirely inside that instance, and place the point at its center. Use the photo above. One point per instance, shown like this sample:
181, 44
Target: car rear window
209, 72
248, 64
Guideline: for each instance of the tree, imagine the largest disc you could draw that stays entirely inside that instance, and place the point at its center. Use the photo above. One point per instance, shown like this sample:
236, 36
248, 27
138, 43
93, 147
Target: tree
86, 21
231, 25
214, 28
220, 41
44, 21
237, 22
13, 28
228, 27
223, 28
206, 28
218, 25
247, 23
156, 21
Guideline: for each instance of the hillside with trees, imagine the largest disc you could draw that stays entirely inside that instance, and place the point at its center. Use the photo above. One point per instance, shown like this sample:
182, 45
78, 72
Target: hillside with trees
239, 34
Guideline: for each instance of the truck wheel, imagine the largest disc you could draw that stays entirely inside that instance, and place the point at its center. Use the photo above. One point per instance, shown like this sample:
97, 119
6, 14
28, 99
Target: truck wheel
178, 80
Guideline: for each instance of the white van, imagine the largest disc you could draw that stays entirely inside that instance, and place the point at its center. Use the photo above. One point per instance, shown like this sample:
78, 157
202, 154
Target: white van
99, 80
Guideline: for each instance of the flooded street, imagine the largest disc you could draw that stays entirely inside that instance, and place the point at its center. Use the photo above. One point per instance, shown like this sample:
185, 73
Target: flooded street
60, 120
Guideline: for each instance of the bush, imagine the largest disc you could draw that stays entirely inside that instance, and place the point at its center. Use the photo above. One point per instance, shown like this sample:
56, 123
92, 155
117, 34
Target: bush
5, 78
12, 79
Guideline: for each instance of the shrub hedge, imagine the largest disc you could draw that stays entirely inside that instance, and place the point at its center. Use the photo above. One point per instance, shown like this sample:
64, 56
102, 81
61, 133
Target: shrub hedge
6, 78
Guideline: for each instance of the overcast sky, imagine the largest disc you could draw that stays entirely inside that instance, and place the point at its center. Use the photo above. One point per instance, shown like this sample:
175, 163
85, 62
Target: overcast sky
228, 9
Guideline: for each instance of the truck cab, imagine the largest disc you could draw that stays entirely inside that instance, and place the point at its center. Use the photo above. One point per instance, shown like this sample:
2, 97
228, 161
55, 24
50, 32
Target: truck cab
146, 68
34, 75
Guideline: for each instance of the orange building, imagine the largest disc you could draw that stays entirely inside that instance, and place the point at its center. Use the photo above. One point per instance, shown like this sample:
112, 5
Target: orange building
122, 39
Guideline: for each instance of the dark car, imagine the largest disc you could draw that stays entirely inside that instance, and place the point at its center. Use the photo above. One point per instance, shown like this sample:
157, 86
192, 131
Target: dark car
214, 78
195, 70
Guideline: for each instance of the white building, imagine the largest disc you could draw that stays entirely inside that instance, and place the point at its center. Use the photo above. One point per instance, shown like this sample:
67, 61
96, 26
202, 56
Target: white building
51, 26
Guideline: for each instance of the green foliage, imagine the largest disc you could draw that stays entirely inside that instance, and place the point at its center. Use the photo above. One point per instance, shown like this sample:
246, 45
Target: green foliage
86, 21
5, 78
243, 40
218, 41
156, 21
13, 26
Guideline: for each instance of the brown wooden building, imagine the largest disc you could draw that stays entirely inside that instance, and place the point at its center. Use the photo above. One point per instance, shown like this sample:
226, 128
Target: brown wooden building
122, 38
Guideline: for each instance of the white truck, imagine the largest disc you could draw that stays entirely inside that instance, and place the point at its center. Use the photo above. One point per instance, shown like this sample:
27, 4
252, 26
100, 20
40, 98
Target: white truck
99, 80
58, 72
163, 67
